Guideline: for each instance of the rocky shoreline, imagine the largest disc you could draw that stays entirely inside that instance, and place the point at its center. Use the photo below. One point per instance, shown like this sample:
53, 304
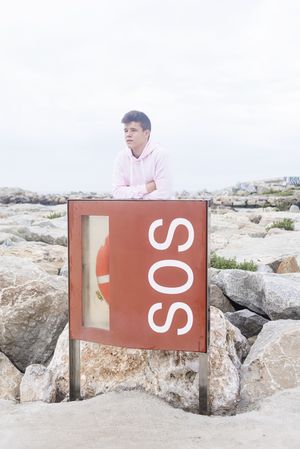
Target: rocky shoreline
255, 315
277, 193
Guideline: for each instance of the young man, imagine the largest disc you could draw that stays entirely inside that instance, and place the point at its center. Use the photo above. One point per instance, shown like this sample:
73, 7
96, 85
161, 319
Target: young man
142, 170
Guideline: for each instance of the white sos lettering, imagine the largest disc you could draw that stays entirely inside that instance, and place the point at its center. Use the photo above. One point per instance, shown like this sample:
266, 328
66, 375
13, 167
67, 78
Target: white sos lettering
171, 263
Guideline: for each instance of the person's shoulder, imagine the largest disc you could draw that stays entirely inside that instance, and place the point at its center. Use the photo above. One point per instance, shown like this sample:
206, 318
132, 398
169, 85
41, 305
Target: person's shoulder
159, 151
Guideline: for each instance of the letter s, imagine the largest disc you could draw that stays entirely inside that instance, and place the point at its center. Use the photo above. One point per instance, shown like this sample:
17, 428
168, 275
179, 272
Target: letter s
165, 327
173, 225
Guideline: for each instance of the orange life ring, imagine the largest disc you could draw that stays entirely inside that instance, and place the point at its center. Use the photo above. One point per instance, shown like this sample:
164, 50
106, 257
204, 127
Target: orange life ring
102, 269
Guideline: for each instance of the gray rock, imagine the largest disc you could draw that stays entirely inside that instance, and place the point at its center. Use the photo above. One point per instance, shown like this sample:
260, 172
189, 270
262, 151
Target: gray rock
50, 234
273, 362
33, 310
262, 268
219, 300
274, 295
255, 218
8, 239
246, 187
10, 379
20, 196
38, 384
294, 208
282, 296
243, 287
249, 323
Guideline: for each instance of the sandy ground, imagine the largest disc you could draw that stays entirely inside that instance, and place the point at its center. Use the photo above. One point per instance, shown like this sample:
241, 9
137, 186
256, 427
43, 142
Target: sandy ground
133, 419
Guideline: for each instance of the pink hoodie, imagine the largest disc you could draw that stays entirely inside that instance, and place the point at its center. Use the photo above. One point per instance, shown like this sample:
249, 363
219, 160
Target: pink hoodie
131, 174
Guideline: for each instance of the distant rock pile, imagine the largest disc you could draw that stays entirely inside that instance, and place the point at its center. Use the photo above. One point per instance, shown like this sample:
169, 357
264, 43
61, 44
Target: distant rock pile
279, 193
19, 196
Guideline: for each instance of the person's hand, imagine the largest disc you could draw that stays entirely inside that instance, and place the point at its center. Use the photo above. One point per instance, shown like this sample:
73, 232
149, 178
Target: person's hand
150, 186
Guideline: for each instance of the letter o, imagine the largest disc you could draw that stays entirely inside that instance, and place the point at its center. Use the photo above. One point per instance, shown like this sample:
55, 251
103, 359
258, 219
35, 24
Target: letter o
170, 263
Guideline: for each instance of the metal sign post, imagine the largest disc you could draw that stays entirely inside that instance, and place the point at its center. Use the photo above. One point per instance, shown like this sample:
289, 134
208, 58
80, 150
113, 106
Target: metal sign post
152, 255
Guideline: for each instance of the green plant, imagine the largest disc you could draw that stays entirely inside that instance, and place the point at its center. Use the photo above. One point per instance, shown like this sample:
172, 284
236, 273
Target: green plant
286, 223
231, 264
286, 192
53, 215
283, 207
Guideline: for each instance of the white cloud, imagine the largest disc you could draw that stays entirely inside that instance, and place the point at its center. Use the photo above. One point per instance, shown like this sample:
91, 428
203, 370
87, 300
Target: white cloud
220, 81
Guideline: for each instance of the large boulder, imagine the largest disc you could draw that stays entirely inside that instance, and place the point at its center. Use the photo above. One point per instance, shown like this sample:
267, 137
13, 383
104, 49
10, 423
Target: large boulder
171, 375
228, 348
10, 379
273, 362
274, 295
34, 311
242, 287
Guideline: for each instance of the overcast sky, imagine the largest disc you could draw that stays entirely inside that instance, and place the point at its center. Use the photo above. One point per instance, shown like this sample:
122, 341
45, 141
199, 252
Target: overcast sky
220, 81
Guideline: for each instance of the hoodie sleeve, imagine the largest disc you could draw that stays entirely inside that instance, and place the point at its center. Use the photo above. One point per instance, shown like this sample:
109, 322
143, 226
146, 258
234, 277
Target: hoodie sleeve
121, 191
162, 179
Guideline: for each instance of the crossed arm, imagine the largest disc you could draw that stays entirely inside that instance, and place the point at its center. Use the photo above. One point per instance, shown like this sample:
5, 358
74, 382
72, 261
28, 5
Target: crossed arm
159, 188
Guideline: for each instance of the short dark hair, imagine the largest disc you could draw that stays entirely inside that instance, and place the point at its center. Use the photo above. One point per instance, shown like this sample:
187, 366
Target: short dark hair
137, 116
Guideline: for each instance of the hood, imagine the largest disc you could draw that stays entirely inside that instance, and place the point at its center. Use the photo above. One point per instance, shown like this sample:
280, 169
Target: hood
147, 150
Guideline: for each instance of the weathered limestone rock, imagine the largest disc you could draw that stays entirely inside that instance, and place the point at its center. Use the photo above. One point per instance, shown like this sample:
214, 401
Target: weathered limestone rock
171, 375
219, 300
38, 384
282, 293
277, 244
273, 362
108, 368
10, 379
274, 295
33, 311
249, 323
103, 368
48, 258
227, 349
47, 234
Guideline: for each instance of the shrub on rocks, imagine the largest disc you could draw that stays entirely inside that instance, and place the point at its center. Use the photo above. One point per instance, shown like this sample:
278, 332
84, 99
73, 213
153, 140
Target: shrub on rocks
286, 223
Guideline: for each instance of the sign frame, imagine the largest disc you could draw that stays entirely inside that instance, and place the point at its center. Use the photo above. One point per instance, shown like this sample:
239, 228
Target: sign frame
75, 337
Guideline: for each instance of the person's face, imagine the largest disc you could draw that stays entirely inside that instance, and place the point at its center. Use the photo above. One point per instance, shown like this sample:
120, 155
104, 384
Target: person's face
136, 138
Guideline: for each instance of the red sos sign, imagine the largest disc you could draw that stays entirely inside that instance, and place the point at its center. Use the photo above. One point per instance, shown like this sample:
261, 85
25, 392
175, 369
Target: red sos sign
157, 273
